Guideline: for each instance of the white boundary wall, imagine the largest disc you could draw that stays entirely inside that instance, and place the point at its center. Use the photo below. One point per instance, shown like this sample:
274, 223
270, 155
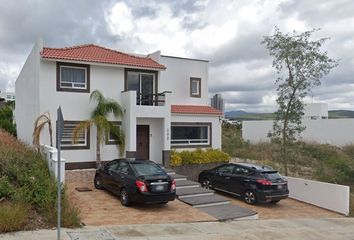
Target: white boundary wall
337, 132
326, 195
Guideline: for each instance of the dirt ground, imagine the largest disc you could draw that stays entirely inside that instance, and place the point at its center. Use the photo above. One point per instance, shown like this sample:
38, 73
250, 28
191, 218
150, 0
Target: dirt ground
98, 207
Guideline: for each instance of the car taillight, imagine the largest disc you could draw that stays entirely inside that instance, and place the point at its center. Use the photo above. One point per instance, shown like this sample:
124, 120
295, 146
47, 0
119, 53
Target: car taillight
141, 186
173, 185
264, 182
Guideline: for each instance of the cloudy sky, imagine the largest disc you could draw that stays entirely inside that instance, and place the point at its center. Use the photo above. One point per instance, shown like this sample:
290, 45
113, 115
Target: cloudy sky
225, 32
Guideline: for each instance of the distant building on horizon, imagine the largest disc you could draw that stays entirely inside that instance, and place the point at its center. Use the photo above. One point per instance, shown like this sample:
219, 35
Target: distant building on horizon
7, 96
217, 102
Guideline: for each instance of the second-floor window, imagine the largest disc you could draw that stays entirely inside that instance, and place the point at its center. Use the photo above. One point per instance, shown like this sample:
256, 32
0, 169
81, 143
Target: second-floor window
73, 77
145, 84
195, 86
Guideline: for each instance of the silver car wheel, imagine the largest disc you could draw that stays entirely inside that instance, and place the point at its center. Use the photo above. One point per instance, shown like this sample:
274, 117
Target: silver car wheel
250, 197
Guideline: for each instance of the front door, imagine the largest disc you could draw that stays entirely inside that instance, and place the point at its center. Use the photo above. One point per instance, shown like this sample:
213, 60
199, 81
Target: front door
142, 142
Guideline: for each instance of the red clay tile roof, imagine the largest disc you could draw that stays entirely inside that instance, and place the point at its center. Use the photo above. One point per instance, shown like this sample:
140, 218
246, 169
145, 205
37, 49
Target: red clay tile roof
94, 53
194, 109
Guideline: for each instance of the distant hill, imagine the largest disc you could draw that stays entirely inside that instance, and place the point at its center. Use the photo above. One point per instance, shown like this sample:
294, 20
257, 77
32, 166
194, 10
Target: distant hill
340, 114
242, 115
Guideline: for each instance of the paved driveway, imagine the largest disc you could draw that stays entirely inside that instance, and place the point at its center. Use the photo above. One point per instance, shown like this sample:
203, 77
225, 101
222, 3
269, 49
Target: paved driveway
286, 209
102, 208
99, 207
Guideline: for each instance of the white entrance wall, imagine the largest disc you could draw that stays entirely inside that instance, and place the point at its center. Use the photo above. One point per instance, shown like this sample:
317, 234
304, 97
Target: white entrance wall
155, 137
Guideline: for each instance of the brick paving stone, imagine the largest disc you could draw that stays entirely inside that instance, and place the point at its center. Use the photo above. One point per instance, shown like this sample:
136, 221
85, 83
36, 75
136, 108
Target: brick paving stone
99, 207
285, 209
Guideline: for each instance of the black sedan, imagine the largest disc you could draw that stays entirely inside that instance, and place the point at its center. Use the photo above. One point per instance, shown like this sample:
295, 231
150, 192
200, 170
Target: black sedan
254, 183
133, 180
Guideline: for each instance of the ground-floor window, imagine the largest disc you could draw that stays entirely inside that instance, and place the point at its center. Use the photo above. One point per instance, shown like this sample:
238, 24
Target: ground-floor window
190, 134
111, 136
82, 139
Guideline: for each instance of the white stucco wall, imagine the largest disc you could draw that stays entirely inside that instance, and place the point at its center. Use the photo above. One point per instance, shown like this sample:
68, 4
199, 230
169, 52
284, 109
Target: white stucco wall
177, 76
27, 95
76, 106
337, 132
155, 137
334, 197
214, 120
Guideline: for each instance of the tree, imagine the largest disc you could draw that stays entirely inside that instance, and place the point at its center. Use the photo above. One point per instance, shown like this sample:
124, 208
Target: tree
6, 119
300, 65
99, 118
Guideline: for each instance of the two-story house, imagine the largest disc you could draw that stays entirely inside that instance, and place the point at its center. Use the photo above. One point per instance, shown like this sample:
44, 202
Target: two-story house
164, 99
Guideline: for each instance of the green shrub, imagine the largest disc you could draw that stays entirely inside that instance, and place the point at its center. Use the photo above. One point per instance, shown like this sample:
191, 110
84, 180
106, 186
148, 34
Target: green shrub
198, 156
13, 216
26, 179
176, 160
6, 189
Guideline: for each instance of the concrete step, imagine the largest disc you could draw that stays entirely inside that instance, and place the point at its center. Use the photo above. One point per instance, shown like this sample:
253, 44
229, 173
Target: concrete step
229, 212
193, 192
204, 201
178, 177
169, 171
186, 184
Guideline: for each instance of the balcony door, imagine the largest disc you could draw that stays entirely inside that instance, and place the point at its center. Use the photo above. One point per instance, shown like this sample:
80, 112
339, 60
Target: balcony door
146, 89
144, 83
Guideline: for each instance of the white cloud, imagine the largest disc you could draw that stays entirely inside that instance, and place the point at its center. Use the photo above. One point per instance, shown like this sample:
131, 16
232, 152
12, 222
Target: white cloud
120, 19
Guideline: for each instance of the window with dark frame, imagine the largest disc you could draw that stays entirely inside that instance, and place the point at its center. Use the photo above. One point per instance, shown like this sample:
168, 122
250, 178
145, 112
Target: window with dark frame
72, 77
111, 138
82, 141
190, 135
195, 87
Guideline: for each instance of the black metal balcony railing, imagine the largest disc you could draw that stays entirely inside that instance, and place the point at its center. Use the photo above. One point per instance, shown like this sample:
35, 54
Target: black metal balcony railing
155, 99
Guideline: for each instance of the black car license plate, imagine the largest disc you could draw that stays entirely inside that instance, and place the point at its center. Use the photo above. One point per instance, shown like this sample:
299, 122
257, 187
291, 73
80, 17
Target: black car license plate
159, 188
280, 186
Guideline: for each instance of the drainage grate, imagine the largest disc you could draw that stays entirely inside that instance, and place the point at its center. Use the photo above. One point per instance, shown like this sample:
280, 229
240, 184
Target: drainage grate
91, 235
83, 189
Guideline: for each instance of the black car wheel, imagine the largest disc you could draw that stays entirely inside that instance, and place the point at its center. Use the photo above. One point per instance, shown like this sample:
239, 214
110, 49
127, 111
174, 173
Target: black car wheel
98, 182
124, 197
250, 197
206, 183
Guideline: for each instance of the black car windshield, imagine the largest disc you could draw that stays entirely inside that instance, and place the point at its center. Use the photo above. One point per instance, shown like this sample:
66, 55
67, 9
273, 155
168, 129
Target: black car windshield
272, 175
143, 169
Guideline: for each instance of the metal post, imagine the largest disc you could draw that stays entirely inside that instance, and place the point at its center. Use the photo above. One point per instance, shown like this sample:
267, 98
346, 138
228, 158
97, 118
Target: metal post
59, 134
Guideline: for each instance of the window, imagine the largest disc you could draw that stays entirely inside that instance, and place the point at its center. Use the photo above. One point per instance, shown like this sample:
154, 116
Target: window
82, 141
195, 86
147, 169
111, 138
73, 77
144, 83
191, 134
226, 169
241, 171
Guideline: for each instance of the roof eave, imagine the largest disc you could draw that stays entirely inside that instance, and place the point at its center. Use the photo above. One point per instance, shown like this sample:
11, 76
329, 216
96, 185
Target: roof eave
101, 63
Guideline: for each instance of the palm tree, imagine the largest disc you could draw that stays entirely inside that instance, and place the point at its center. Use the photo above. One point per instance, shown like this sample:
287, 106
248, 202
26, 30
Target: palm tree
98, 118
39, 124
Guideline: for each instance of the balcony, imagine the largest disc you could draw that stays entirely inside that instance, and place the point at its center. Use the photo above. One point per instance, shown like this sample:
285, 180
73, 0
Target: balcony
147, 105
158, 99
